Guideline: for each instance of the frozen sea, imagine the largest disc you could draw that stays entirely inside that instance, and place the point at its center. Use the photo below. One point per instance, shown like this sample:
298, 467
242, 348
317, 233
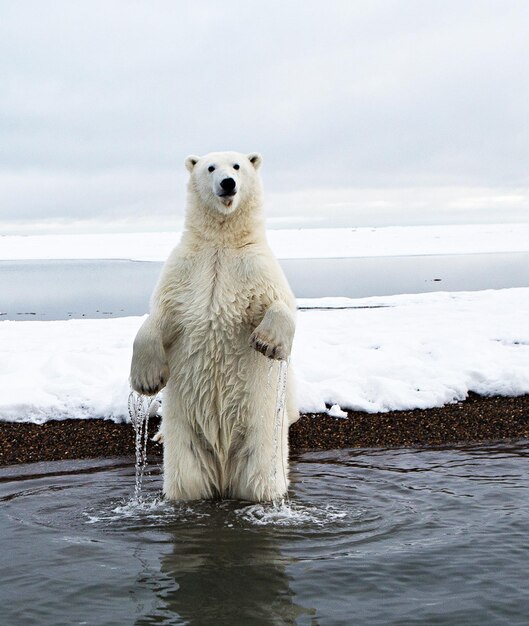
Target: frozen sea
51, 277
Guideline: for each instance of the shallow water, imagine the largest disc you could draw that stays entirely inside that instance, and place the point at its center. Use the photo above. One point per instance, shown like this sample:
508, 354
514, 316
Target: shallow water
370, 537
51, 290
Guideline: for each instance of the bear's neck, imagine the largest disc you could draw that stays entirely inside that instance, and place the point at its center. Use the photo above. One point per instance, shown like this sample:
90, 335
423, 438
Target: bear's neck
242, 227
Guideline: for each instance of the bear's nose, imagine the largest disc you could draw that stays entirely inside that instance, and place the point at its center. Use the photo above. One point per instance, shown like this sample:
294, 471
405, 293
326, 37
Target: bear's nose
227, 184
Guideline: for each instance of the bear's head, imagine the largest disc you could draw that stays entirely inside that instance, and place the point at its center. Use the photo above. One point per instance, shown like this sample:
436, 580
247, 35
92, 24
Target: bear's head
223, 181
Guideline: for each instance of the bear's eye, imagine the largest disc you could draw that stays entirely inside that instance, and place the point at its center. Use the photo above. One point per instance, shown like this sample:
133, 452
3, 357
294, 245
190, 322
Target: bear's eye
211, 168
236, 166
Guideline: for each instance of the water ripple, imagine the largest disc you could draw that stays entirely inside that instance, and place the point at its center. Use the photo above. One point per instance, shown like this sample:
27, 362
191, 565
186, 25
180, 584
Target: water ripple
394, 536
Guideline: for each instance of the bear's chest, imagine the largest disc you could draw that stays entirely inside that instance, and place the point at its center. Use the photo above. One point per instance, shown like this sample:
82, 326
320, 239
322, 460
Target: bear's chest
220, 290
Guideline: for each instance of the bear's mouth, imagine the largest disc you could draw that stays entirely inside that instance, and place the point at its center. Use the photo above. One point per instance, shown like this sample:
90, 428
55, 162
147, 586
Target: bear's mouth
227, 198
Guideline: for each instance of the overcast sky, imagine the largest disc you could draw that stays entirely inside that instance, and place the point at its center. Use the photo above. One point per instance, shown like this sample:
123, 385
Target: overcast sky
366, 112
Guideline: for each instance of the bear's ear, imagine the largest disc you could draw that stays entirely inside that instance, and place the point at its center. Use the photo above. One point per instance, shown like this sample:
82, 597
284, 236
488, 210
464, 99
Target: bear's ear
191, 161
255, 159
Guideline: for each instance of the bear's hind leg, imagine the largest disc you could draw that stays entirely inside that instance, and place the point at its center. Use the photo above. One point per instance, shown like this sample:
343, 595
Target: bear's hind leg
186, 472
259, 473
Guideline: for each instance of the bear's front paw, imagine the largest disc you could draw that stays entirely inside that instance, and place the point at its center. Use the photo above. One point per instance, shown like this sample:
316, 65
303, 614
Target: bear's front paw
149, 380
269, 346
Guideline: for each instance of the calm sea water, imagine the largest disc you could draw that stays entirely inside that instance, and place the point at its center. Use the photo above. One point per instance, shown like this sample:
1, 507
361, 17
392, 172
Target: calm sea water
74, 289
370, 537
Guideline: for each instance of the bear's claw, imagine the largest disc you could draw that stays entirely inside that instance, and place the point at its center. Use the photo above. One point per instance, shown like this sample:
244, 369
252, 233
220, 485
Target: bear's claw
267, 347
150, 385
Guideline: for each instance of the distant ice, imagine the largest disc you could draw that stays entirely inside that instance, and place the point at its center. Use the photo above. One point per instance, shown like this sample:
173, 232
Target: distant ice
286, 244
377, 354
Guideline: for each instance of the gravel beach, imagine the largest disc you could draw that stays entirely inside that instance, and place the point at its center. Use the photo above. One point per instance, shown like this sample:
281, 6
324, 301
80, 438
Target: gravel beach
477, 419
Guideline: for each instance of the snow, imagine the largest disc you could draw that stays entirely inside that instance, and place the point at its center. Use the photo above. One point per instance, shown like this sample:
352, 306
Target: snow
66, 369
413, 351
373, 354
336, 411
286, 244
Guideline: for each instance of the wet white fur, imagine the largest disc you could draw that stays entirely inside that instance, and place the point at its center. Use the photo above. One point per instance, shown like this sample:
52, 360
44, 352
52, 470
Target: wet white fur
221, 304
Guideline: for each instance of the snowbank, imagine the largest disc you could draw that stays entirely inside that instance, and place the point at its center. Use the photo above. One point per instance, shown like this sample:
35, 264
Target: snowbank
378, 354
286, 244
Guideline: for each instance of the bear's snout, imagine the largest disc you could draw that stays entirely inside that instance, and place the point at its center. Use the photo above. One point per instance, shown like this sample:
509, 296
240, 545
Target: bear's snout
228, 186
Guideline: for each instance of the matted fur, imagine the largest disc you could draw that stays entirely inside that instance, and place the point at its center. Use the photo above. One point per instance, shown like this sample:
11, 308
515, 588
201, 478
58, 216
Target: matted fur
221, 304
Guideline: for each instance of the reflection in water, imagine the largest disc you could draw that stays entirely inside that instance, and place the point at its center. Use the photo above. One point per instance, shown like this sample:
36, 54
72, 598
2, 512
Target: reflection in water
372, 537
210, 579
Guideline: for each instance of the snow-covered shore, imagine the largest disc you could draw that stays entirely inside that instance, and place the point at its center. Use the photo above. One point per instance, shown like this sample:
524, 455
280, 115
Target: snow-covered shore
377, 354
286, 244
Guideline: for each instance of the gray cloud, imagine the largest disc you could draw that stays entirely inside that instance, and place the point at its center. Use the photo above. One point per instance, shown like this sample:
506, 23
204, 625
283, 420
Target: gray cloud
101, 102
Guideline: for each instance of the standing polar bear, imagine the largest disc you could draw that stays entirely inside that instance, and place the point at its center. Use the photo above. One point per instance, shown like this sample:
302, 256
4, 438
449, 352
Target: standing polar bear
221, 306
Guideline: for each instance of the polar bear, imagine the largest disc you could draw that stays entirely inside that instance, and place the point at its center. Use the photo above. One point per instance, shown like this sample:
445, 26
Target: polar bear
222, 318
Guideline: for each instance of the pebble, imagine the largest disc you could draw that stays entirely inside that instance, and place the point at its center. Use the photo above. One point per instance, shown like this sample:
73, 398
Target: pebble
477, 419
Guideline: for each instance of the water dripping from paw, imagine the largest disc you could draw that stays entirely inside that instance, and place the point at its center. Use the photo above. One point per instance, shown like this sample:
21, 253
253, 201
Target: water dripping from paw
141, 408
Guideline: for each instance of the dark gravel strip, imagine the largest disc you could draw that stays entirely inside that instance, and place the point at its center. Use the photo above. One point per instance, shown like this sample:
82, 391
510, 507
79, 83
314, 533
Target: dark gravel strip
477, 419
